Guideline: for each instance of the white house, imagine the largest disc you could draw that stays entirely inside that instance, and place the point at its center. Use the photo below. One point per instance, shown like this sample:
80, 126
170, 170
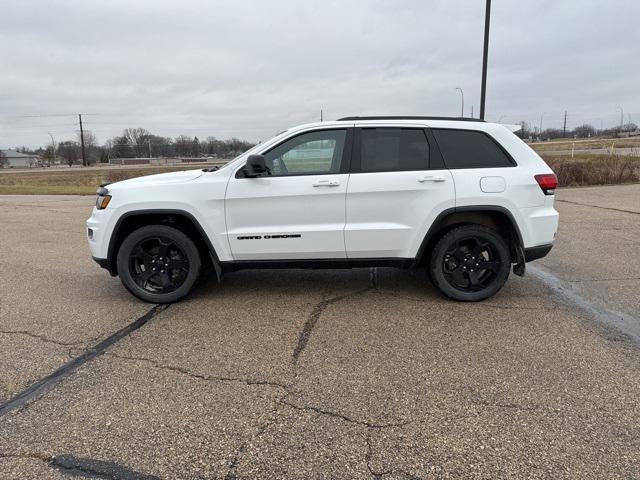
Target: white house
21, 160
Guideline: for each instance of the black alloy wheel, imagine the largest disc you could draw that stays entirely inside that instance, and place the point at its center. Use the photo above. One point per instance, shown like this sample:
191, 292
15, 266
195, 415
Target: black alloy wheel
470, 263
158, 264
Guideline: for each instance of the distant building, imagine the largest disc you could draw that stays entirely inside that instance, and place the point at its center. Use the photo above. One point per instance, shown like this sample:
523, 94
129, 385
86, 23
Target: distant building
21, 160
635, 133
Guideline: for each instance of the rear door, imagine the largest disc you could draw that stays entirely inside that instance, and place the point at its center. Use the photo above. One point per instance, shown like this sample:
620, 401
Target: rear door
398, 185
297, 211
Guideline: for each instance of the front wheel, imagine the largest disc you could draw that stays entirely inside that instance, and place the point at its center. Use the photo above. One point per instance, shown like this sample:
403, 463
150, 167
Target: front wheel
158, 264
470, 263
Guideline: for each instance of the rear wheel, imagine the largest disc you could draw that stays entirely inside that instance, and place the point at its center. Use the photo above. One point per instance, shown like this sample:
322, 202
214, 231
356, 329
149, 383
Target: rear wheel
470, 263
158, 264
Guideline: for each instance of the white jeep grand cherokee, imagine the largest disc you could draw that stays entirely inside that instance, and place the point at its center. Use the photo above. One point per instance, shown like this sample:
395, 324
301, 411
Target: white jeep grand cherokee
463, 198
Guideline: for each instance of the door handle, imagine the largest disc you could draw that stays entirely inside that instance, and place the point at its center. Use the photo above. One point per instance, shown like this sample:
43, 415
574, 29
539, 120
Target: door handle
430, 178
326, 183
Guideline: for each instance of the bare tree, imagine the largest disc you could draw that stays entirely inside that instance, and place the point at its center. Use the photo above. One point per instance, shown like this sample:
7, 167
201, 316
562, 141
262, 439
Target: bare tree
48, 156
183, 145
195, 147
136, 137
70, 151
4, 162
584, 131
90, 146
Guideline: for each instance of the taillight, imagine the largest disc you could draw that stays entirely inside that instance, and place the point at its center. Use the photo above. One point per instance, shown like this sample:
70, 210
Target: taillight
548, 182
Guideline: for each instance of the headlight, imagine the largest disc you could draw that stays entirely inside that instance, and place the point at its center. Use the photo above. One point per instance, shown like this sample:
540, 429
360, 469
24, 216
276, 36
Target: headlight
103, 198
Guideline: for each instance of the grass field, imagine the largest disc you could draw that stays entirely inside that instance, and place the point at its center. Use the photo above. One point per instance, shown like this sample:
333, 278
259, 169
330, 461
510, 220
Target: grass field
71, 182
564, 144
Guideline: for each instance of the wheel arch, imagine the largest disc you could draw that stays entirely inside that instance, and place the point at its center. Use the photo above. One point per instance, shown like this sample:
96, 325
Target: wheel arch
493, 216
179, 219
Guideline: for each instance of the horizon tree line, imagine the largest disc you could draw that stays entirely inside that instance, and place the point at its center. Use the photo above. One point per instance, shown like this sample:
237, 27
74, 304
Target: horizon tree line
137, 143
140, 143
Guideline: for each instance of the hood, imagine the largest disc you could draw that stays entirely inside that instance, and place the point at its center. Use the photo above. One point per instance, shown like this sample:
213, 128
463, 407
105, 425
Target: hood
159, 179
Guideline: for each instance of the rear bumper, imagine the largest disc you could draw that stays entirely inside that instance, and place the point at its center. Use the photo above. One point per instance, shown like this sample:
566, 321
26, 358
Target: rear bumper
533, 253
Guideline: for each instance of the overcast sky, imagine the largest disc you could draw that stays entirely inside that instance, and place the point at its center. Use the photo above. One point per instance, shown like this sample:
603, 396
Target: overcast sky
251, 68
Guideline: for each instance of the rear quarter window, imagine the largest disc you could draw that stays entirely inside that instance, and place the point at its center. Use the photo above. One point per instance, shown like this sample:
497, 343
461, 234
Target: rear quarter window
470, 149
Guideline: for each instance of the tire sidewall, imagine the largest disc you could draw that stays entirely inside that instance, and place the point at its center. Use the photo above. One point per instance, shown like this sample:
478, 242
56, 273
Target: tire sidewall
186, 245
498, 244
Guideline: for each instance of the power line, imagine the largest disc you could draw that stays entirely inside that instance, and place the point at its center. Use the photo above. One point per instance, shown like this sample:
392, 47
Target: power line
39, 115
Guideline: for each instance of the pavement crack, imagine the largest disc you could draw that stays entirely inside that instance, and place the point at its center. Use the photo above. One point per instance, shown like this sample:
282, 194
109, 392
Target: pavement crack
36, 390
597, 206
85, 467
41, 337
322, 411
89, 467
314, 316
27, 455
199, 376
235, 461
379, 475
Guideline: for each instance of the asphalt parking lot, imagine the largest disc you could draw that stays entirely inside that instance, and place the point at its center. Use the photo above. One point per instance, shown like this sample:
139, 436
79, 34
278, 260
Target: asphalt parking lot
364, 373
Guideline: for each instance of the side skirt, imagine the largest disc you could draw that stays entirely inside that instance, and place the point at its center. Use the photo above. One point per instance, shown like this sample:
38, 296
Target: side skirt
331, 263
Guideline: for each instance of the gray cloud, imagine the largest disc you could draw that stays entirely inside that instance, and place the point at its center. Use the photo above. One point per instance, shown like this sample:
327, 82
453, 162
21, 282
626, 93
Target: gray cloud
251, 68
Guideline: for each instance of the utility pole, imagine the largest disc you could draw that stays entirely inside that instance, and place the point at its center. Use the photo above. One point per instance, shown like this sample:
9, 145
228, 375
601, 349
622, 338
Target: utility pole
471, 111
564, 129
542, 115
485, 57
149, 142
321, 115
84, 156
462, 106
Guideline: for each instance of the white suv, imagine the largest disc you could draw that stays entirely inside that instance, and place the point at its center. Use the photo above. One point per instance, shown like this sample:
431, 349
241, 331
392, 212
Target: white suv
463, 198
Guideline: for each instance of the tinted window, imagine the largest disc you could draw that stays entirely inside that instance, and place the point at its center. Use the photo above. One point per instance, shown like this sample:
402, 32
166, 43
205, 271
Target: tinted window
469, 149
317, 152
393, 149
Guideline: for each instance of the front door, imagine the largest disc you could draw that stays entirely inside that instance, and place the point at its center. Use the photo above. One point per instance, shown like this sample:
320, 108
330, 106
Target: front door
297, 209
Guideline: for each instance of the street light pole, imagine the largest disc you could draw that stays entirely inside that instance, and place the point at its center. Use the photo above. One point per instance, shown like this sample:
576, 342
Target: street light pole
485, 57
53, 147
621, 117
462, 107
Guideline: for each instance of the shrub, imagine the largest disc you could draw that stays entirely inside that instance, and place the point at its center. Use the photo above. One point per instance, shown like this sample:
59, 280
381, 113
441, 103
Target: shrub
595, 169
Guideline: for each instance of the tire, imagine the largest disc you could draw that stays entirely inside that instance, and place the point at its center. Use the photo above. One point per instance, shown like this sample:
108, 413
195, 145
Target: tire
158, 264
457, 261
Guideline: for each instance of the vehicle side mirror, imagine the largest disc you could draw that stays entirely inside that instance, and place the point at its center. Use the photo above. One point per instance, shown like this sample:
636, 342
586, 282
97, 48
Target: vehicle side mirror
256, 166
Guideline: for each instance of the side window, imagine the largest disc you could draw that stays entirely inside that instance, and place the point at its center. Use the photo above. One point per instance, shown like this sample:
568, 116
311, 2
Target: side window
470, 149
318, 152
393, 149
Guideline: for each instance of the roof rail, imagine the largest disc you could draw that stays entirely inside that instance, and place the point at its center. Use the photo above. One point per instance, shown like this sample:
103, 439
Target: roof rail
409, 117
